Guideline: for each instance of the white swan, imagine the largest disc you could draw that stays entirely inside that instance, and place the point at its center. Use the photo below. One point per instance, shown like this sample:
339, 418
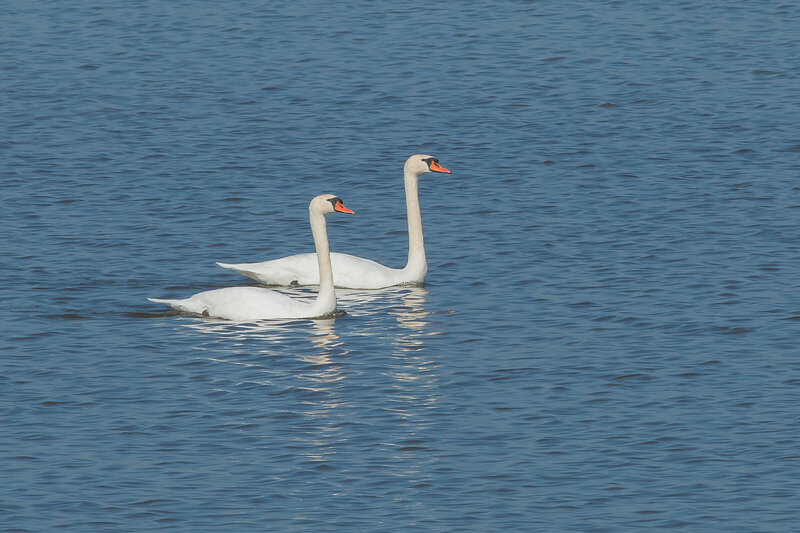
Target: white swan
350, 271
258, 303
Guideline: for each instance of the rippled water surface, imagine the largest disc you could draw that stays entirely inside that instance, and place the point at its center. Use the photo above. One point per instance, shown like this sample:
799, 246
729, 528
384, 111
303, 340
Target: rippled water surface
608, 336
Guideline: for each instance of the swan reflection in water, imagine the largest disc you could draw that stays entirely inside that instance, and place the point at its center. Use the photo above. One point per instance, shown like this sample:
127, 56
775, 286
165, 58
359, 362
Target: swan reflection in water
406, 304
374, 359
278, 350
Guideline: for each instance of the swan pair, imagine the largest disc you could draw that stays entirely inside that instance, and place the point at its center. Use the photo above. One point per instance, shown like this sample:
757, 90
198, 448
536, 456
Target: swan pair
323, 268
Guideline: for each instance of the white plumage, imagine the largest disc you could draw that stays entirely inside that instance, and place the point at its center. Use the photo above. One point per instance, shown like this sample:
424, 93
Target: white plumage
258, 303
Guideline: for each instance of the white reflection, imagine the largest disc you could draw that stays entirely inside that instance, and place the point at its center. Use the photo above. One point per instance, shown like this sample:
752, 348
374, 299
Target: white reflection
383, 342
321, 332
267, 330
328, 346
412, 317
325, 336
407, 305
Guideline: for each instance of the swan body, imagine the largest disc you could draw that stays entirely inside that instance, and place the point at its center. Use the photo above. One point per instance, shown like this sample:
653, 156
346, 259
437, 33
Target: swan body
258, 303
350, 271
245, 303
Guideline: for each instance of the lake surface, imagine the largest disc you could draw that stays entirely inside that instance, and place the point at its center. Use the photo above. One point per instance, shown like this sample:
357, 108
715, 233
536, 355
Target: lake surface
608, 336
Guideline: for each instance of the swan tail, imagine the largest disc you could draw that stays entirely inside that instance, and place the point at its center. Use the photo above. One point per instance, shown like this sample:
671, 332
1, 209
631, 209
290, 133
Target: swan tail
240, 269
176, 304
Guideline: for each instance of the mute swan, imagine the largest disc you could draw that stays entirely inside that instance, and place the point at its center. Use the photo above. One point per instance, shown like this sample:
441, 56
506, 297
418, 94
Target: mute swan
257, 303
350, 271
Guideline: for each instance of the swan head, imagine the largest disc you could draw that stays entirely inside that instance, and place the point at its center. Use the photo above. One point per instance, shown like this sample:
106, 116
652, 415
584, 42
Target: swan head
328, 203
420, 164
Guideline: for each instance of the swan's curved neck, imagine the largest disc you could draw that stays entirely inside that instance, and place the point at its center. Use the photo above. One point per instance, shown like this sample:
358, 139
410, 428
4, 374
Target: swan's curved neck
326, 298
417, 266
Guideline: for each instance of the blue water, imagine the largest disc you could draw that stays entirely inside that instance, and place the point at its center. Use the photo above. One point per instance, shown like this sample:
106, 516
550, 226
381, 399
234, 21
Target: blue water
608, 336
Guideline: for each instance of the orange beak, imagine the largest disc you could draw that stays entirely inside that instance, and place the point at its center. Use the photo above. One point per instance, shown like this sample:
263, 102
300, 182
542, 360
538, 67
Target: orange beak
342, 209
436, 167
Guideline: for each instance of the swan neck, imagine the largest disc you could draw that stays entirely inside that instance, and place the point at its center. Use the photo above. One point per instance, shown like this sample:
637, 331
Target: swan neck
326, 298
416, 243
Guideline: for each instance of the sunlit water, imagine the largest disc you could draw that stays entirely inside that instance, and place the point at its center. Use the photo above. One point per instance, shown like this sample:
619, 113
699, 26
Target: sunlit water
608, 336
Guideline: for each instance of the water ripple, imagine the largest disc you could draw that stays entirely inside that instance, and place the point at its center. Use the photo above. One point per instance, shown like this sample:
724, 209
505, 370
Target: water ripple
606, 340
